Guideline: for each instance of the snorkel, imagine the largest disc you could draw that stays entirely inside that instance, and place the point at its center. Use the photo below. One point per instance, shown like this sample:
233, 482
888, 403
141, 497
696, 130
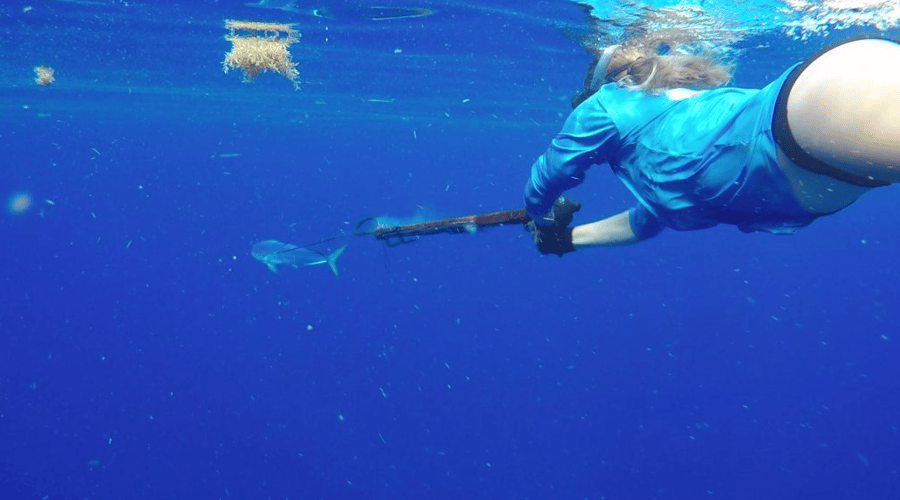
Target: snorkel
599, 75
595, 75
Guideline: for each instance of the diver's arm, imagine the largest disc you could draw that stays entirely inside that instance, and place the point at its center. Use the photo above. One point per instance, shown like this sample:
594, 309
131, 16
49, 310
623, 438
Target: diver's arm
630, 226
587, 138
615, 230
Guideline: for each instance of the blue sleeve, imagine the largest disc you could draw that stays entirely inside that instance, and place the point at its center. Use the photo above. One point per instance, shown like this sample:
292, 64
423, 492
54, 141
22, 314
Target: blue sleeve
588, 137
644, 224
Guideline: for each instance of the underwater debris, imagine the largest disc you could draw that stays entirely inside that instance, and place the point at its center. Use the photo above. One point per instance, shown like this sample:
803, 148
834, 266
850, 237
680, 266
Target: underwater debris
19, 203
373, 13
377, 13
258, 47
43, 75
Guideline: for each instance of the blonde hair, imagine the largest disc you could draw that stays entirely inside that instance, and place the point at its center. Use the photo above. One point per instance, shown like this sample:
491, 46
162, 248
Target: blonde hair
654, 68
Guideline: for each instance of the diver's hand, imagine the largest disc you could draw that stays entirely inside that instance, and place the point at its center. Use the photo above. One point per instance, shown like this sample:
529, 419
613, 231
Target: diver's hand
564, 211
551, 239
555, 238
561, 213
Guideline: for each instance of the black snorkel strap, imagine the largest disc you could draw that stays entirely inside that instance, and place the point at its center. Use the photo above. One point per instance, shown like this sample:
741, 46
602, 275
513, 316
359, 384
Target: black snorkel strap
611, 76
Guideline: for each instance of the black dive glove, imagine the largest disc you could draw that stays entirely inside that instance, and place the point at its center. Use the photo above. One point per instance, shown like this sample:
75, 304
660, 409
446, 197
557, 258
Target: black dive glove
557, 237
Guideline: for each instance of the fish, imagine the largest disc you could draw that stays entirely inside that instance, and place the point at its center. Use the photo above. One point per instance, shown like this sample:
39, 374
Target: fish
285, 5
274, 253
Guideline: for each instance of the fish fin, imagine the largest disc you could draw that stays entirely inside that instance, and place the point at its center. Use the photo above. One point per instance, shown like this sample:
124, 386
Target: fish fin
332, 260
272, 267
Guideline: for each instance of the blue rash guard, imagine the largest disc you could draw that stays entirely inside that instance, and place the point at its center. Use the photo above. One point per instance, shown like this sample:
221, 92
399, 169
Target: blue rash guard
705, 159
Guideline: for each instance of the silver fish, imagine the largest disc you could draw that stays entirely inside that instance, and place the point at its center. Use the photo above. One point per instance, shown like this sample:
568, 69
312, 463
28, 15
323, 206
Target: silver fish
274, 253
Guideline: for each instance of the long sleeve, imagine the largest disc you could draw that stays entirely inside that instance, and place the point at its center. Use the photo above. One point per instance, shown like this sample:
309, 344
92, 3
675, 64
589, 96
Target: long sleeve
588, 137
643, 224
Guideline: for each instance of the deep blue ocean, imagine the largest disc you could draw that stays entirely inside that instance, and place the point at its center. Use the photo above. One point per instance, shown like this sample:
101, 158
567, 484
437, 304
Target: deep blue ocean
144, 354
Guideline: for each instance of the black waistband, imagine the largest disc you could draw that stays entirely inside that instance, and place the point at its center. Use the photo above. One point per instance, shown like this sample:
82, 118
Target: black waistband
785, 138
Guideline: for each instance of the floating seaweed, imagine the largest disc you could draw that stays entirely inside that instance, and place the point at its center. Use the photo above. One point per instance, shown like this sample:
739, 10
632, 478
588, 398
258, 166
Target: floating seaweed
258, 47
43, 75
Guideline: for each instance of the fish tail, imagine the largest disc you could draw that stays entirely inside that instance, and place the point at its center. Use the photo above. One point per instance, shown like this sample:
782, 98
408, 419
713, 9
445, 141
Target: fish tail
332, 260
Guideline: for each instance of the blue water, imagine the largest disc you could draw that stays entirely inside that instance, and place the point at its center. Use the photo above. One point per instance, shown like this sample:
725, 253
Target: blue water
145, 354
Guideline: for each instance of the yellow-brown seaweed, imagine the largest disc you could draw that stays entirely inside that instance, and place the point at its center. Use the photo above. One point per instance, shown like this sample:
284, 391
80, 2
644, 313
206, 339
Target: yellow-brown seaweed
263, 47
43, 75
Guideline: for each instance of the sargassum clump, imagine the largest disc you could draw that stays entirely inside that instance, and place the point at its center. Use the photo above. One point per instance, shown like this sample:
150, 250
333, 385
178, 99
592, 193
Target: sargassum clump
263, 48
43, 75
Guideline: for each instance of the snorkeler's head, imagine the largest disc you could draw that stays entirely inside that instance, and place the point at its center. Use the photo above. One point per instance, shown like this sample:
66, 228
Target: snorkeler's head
652, 68
608, 65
